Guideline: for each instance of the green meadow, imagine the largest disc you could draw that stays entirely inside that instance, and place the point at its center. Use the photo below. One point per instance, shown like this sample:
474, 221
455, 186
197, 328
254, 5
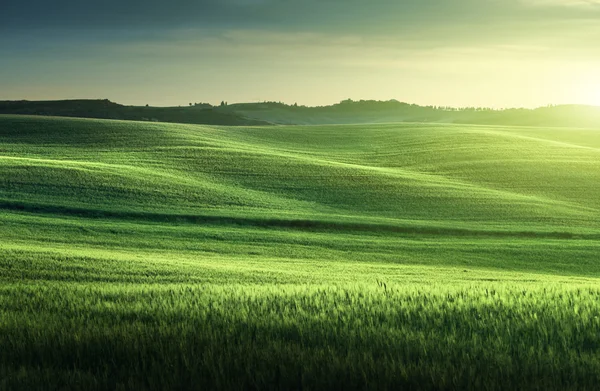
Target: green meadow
153, 256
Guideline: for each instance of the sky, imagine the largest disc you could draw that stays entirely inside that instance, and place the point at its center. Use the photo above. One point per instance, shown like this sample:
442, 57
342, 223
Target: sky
491, 53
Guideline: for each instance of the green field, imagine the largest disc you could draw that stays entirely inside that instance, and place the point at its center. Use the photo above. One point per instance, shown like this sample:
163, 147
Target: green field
155, 256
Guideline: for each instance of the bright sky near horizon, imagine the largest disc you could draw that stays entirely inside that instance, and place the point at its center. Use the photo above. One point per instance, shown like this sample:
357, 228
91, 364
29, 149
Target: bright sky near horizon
494, 53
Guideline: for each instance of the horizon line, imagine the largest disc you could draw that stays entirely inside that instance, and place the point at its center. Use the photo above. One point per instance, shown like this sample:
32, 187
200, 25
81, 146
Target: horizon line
349, 100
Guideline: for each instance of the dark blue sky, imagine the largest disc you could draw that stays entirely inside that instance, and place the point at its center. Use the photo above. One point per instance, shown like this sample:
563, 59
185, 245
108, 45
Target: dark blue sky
462, 52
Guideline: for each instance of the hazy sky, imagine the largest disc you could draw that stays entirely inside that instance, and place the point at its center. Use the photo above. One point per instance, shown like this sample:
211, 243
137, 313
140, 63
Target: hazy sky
501, 53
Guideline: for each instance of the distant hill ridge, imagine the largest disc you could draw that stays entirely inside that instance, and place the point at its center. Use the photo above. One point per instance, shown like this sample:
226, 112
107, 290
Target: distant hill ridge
345, 112
105, 109
369, 111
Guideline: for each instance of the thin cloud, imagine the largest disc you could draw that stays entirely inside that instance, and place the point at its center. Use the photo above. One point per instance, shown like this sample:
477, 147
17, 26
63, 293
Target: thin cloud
564, 3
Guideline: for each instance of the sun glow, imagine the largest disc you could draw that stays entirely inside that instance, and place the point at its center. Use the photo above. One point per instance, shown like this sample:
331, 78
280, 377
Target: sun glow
595, 96
590, 92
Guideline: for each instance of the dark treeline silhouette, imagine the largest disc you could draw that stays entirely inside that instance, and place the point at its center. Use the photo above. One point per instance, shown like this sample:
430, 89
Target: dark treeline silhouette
197, 113
344, 112
371, 111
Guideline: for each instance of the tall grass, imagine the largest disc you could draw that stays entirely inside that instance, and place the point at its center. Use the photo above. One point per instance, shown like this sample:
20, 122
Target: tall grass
504, 336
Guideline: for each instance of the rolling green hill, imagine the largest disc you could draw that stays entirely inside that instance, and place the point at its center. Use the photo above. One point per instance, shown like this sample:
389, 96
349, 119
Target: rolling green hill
142, 255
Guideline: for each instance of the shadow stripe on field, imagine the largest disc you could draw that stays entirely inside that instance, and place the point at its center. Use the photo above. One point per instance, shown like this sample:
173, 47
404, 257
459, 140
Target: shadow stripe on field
299, 224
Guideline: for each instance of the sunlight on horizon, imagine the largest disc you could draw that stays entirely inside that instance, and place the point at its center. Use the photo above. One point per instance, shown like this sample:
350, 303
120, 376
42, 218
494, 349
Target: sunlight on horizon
475, 55
592, 94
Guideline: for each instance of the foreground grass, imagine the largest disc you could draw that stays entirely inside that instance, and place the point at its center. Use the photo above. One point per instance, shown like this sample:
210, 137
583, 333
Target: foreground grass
153, 257
238, 309
505, 336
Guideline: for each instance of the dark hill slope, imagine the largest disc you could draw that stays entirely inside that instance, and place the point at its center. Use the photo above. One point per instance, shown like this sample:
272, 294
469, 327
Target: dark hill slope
345, 112
354, 112
105, 109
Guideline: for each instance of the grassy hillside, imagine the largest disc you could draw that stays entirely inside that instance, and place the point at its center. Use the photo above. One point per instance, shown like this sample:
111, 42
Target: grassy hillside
141, 255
